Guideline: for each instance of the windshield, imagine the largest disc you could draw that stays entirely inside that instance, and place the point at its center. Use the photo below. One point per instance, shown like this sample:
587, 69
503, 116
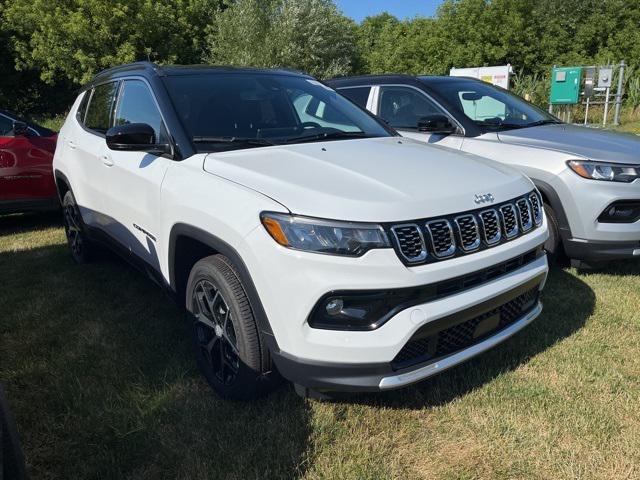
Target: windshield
244, 110
489, 107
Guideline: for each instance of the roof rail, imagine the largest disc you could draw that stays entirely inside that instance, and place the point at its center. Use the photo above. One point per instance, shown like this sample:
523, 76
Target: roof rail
126, 67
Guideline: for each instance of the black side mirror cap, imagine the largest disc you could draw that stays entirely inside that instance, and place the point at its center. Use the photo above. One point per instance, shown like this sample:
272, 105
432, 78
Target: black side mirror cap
135, 137
20, 129
439, 124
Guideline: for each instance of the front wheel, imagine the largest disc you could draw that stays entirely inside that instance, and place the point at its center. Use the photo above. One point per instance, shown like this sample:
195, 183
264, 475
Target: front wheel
231, 351
552, 245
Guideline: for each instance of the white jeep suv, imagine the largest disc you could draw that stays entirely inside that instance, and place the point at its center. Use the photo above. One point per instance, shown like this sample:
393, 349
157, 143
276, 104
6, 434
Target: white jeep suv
303, 236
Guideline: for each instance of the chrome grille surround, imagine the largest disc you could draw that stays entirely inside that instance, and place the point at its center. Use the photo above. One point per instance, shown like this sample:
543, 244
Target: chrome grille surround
440, 233
468, 232
491, 230
509, 221
524, 214
411, 242
536, 208
429, 240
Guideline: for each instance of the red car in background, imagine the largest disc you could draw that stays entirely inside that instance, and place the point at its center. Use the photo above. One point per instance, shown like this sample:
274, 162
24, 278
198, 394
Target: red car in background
26, 175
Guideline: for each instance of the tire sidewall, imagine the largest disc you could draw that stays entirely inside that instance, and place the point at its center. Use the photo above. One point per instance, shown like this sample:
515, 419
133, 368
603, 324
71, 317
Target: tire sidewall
69, 201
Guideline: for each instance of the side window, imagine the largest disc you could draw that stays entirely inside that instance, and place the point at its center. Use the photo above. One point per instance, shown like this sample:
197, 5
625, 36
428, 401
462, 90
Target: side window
479, 107
98, 116
136, 105
358, 95
402, 107
6, 126
82, 108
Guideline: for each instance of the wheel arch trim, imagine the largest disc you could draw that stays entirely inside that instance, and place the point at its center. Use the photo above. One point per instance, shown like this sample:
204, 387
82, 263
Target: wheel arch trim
222, 247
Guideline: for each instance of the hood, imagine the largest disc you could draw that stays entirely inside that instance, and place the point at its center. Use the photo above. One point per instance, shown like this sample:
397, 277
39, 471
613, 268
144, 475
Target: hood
585, 142
368, 180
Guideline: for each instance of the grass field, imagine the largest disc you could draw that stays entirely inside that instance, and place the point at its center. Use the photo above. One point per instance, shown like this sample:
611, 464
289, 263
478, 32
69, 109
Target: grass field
102, 381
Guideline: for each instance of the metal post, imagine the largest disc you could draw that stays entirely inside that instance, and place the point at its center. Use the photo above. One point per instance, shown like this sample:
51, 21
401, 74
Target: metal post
586, 112
606, 107
616, 115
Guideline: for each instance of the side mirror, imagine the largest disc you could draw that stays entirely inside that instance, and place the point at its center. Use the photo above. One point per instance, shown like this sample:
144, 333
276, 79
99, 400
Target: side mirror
437, 123
135, 137
20, 129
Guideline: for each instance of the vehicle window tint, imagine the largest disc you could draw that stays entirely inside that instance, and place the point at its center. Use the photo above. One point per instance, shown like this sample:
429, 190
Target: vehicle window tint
98, 116
136, 105
402, 107
82, 109
358, 95
6, 126
313, 110
478, 107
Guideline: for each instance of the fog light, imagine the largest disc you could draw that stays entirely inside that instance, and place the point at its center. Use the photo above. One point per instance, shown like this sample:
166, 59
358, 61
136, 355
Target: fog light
623, 211
334, 306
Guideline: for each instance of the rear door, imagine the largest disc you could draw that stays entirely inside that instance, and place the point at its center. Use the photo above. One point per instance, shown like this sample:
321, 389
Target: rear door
85, 153
134, 178
402, 106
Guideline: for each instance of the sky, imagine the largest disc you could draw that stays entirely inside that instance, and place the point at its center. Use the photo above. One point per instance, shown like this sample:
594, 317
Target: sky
358, 9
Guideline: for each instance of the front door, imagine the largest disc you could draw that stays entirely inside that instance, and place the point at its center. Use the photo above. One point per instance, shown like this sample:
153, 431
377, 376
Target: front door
402, 106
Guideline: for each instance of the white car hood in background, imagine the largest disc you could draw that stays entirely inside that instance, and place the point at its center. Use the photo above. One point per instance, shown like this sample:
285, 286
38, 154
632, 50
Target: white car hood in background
369, 180
583, 142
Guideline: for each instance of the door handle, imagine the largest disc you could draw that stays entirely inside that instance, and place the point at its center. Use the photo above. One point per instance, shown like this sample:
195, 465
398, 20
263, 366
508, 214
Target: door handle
72, 144
106, 159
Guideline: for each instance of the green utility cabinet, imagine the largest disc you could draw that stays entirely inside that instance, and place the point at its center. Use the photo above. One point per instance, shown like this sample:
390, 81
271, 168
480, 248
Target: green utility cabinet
565, 85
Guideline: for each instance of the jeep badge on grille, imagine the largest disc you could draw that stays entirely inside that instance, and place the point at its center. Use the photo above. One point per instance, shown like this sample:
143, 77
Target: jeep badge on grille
486, 198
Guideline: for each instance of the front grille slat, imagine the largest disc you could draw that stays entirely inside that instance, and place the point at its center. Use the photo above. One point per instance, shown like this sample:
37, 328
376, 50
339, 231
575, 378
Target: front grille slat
443, 242
509, 220
468, 233
430, 240
464, 335
411, 242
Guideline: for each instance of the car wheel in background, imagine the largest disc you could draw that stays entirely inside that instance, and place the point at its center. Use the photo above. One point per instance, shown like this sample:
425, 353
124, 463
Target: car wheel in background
552, 245
231, 351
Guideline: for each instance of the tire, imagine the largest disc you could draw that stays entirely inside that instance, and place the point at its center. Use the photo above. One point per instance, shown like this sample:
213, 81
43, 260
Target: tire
552, 245
231, 352
82, 250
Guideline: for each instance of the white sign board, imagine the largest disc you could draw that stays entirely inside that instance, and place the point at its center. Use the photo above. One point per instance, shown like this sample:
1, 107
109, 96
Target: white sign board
496, 75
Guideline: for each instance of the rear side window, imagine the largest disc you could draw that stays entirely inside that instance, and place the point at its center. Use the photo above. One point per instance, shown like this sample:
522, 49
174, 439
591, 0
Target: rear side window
358, 95
82, 109
98, 115
137, 105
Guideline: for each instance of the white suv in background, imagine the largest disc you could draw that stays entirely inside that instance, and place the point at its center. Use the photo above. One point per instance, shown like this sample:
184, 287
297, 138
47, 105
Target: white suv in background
589, 178
302, 235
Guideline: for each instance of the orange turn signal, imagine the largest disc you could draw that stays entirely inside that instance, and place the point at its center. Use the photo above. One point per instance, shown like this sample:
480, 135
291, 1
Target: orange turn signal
275, 230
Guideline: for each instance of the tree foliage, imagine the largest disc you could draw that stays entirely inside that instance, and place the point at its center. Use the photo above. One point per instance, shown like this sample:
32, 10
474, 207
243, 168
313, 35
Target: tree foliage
307, 35
73, 39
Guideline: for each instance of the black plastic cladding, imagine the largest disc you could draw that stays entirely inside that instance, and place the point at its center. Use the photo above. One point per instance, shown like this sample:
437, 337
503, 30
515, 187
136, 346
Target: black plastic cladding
519, 218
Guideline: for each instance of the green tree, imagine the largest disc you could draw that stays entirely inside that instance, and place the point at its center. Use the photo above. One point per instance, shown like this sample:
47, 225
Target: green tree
308, 35
73, 39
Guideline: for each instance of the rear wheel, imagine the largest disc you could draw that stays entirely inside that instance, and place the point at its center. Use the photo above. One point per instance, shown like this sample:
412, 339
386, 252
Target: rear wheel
80, 246
231, 351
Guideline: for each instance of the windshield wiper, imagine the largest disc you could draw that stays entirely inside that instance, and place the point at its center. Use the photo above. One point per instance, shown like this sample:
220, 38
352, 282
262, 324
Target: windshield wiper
542, 122
326, 136
261, 142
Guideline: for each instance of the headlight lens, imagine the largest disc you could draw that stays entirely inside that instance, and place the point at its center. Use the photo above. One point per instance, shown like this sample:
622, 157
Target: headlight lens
611, 172
324, 236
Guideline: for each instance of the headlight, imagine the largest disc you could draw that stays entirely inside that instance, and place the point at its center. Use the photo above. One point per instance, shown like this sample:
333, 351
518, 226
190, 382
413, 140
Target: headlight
324, 236
612, 172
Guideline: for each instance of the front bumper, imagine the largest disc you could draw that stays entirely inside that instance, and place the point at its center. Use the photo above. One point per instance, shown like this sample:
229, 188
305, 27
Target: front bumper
332, 376
591, 251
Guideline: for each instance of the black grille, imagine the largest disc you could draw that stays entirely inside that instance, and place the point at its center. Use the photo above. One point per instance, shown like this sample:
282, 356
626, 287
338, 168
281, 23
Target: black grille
509, 220
536, 207
468, 232
410, 241
434, 239
463, 335
524, 212
491, 226
442, 240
